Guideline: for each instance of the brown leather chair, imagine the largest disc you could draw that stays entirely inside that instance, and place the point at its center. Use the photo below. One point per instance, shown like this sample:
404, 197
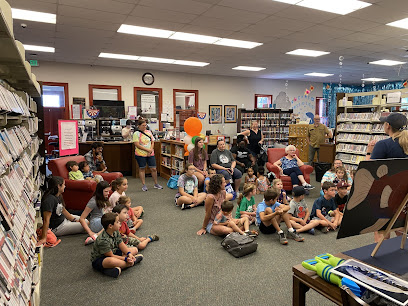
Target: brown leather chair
274, 154
77, 193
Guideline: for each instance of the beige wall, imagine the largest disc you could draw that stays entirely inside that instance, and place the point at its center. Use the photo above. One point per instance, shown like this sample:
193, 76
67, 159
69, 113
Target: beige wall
221, 90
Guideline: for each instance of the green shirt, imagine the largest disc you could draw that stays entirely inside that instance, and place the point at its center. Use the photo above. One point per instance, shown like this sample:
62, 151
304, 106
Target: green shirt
317, 135
76, 175
105, 243
244, 205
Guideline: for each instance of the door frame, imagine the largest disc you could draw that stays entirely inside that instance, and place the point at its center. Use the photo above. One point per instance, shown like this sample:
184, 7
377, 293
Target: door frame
92, 86
175, 91
160, 91
65, 85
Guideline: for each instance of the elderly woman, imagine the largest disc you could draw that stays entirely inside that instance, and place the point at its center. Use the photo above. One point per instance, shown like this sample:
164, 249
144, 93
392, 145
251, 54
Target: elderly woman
289, 165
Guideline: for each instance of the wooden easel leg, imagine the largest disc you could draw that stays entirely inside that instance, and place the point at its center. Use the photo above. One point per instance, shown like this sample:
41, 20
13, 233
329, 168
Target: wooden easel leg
404, 235
391, 224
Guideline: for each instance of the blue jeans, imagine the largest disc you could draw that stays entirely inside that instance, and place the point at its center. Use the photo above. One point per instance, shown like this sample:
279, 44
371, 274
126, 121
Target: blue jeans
235, 175
143, 160
95, 225
293, 173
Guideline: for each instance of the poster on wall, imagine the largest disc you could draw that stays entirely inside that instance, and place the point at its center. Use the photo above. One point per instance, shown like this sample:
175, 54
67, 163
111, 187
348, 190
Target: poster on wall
76, 111
148, 103
68, 137
215, 114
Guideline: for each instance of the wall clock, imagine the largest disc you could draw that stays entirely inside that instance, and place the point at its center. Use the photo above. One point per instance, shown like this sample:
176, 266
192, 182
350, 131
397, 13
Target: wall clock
148, 78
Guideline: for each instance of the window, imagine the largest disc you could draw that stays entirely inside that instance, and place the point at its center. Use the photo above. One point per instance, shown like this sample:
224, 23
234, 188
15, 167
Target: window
104, 92
53, 96
263, 101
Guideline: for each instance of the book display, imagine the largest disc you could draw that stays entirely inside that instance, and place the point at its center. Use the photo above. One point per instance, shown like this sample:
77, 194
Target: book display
274, 123
298, 134
20, 176
171, 158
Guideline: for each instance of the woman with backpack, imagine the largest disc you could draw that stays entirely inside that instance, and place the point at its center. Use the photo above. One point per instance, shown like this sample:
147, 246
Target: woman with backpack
144, 152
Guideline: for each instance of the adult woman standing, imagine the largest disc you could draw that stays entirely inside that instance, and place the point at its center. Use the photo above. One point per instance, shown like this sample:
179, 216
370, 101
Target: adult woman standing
144, 153
289, 165
198, 157
394, 147
255, 137
216, 195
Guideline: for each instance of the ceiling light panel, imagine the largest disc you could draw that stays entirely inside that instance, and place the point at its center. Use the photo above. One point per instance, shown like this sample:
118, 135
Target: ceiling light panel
385, 62
306, 52
343, 7
156, 60
39, 48
403, 23
374, 79
318, 74
119, 56
33, 16
248, 68
143, 31
237, 43
190, 63
194, 38
289, 1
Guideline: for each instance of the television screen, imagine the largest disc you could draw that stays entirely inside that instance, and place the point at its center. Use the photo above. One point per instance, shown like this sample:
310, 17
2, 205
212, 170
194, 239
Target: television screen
110, 109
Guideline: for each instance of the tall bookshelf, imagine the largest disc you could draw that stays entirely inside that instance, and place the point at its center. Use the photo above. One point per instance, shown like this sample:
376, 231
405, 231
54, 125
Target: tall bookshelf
298, 137
274, 123
171, 158
357, 125
21, 173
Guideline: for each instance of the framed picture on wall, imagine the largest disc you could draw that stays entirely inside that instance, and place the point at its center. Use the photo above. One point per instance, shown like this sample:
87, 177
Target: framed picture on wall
215, 114
230, 113
263, 101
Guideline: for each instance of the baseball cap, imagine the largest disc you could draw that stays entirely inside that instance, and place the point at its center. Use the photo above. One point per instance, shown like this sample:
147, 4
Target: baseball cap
342, 184
298, 191
396, 120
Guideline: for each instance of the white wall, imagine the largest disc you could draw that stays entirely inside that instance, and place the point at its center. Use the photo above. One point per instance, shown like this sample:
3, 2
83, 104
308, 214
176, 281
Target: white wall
218, 90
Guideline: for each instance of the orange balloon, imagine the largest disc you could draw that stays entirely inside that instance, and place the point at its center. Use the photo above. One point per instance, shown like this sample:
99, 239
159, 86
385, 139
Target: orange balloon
185, 148
193, 126
186, 153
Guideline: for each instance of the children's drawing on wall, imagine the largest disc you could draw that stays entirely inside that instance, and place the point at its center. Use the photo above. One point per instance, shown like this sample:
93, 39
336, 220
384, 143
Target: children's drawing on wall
282, 101
304, 107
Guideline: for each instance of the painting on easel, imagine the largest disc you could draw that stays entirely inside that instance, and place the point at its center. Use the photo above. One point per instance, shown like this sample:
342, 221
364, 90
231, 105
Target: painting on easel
379, 189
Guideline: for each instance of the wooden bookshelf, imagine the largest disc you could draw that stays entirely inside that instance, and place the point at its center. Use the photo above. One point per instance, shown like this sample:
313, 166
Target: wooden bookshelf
172, 159
298, 134
274, 123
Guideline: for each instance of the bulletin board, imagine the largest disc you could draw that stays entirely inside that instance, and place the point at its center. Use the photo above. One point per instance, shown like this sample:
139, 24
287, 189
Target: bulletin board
68, 137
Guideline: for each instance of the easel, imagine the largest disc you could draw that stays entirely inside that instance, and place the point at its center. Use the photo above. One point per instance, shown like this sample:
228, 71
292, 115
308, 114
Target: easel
391, 224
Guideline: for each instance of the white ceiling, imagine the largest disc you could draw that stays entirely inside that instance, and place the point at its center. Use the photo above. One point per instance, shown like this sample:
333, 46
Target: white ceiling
86, 28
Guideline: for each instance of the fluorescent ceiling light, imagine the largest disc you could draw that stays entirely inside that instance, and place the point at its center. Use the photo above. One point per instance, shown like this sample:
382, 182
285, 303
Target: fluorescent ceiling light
33, 16
237, 43
289, 1
153, 59
318, 74
403, 23
248, 68
342, 7
305, 52
119, 56
156, 60
374, 79
135, 30
191, 63
39, 48
387, 63
194, 37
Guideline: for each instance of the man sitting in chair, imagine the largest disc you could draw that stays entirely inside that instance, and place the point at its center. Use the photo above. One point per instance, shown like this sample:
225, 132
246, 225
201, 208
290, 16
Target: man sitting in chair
94, 157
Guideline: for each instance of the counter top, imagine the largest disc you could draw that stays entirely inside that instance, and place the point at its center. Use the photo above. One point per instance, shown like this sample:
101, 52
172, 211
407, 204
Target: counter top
107, 142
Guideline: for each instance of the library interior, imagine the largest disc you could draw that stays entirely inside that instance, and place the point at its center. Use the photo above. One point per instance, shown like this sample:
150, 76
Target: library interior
141, 141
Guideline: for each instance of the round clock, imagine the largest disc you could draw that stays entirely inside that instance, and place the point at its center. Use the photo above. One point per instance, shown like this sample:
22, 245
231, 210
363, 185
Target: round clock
148, 78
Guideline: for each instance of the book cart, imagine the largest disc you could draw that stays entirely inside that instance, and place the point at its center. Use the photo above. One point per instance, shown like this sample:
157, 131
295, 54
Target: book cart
21, 173
274, 123
357, 125
171, 158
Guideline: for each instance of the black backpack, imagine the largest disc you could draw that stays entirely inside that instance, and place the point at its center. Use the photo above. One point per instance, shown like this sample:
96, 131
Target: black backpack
239, 245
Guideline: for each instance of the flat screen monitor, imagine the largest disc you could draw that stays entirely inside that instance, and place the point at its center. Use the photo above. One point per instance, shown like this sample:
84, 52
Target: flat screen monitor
110, 109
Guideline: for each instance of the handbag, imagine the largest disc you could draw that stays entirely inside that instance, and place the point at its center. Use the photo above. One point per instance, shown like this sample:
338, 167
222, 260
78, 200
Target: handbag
239, 245
172, 182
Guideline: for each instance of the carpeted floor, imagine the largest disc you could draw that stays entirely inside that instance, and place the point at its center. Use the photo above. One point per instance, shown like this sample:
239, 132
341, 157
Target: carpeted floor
183, 268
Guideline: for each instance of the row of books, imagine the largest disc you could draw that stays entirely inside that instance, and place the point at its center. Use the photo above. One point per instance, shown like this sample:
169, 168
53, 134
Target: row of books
166, 149
351, 148
359, 138
179, 151
358, 117
360, 127
33, 125
349, 158
12, 102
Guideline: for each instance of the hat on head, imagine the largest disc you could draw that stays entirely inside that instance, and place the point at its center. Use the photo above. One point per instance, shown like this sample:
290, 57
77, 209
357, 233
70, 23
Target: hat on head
396, 120
298, 191
342, 184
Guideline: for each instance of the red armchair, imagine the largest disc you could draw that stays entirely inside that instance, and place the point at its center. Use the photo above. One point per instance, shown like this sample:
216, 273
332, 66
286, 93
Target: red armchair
276, 154
77, 193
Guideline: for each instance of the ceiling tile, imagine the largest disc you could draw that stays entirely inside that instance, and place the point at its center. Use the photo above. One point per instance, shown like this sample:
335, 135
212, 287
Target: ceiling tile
154, 23
83, 23
101, 5
186, 6
39, 6
363, 37
379, 14
318, 34
167, 15
350, 23
211, 31
218, 23
234, 14
306, 14
260, 6
90, 15
275, 22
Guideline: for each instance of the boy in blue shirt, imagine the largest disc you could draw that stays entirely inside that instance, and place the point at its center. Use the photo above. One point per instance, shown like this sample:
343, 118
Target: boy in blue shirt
270, 213
325, 209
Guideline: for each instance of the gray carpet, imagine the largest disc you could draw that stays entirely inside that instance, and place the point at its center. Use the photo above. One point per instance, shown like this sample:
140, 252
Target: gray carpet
183, 268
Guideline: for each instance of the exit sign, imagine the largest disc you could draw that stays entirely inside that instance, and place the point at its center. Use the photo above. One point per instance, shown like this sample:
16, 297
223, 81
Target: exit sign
34, 63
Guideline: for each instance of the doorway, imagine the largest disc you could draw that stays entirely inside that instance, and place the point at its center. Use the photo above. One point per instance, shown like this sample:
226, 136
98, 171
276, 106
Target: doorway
56, 106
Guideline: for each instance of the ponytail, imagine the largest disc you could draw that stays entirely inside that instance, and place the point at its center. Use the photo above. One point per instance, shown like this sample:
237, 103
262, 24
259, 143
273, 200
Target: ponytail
248, 188
402, 139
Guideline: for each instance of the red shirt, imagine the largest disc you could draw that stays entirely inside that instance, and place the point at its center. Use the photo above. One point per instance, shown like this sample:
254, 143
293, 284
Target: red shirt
124, 229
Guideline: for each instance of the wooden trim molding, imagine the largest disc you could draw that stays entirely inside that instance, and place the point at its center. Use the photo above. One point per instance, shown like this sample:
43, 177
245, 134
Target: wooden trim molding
65, 85
258, 95
160, 90
92, 86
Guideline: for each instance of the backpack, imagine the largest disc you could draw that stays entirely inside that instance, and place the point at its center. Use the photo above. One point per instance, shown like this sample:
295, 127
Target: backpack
172, 183
239, 245
229, 189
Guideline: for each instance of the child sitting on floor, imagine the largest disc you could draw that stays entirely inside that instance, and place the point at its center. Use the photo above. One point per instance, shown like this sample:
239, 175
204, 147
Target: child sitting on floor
324, 206
74, 173
211, 173
278, 185
134, 223
269, 214
119, 187
188, 195
87, 173
128, 237
109, 254
224, 217
342, 196
251, 176
262, 182
299, 213
246, 203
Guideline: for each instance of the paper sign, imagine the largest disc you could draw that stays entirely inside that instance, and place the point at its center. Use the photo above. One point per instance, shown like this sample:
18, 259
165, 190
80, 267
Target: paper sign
76, 111
148, 104
68, 137
132, 112
163, 117
394, 97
